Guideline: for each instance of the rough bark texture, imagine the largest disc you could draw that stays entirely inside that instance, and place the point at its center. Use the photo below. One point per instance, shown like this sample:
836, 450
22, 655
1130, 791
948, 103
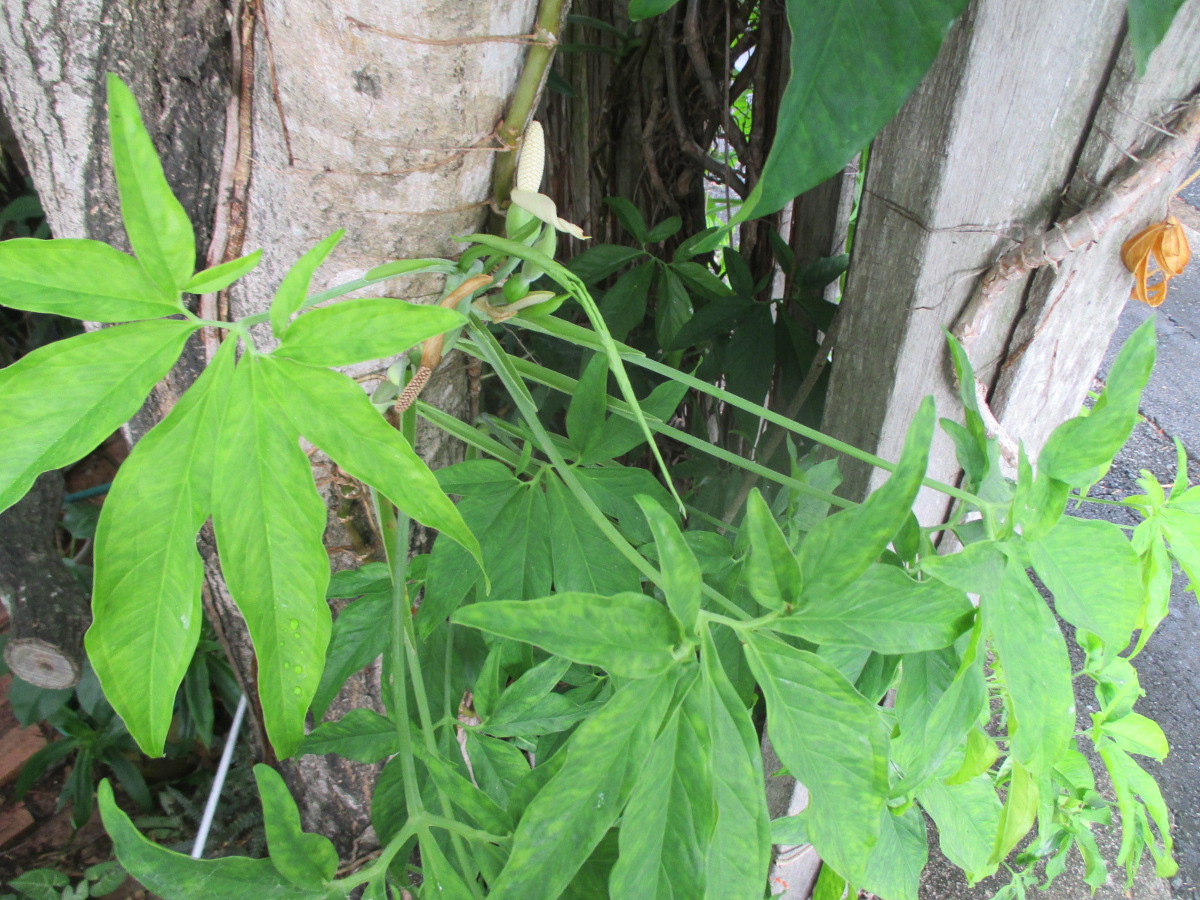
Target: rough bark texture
370, 116
47, 606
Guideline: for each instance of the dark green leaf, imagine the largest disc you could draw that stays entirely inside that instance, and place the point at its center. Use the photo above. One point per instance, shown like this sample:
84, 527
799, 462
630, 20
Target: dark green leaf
334, 413
440, 879
597, 263
293, 290
41, 884
624, 304
179, 877
146, 613
583, 558
840, 549
83, 279
360, 634
301, 858
681, 582
644, 9
362, 735
1096, 578
621, 435
568, 817
886, 611
1149, 21
664, 229
674, 308
846, 82
158, 228
627, 634
629, 217
355, 331
831, 739
589, 402
1080, 450
220, 277
269, 521
478, 806
529, 708
613, 490
63, 399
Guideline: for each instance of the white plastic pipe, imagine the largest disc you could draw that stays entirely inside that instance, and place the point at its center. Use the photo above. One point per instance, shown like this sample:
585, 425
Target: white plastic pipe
214, 796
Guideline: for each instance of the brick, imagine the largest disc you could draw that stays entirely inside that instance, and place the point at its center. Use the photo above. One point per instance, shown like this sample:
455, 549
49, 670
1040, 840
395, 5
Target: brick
14, 823
15, 748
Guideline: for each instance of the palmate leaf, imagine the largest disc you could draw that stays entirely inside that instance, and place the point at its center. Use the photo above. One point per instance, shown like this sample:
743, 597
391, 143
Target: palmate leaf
270, 521
158, 228
583, 558
60, 401
568, 817
833, 740
82, 279
146, 593
846, 82
334, 413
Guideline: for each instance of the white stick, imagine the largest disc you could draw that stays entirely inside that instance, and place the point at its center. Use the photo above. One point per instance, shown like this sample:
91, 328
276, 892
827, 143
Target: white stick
214, 795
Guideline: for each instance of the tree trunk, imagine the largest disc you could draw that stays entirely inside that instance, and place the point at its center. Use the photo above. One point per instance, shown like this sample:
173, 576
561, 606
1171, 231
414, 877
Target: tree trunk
278, 123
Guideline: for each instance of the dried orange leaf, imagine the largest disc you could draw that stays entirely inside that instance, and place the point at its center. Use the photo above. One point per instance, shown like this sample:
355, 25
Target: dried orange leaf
1173, 251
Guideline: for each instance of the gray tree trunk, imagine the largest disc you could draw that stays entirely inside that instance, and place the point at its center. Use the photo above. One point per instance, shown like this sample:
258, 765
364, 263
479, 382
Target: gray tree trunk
375, 117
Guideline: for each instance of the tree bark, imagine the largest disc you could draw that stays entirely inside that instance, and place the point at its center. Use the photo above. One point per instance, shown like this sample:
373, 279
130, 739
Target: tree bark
278, 123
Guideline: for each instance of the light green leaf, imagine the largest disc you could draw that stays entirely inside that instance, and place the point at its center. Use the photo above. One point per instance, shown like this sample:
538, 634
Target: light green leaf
568, 817
293, 290
1080, 450
739, 851
1137, 734
270, 521
667, 826
614, 489
846, 83
644, 9
681, 582
83, 279
1182, 530
772, 571
528, 706
333, 412
833, 740
219, 277
841, 548
355, 331
886, 611
973, 569
146, 611
967, 816
517, 556
1018, 813
583, 558
362, 735
301, 858
1095, 576
1037, 670
358, 637
1149, 21
60, 401
478, 806
171, 874
158, 228
441, 880
894, 869
1130, 783
589, 402
627, 634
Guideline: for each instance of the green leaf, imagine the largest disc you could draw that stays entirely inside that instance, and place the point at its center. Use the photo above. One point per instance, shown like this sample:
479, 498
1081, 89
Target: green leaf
894, 869
629, 216
1080, 450
440, 879
614, 489
665, 829
847, 81
362, 735
967, 816
171, 874
41, 884
589, 402
674, 308
772, 571
739, 851
106, 877
627, 634
220, 277
61, 401
583, 558
293, 290
830, 738
529, 708
597, 263
355, 331
621, 435
300, 857
886, 611
270, 521
1037, 670
644, 9
158, 228
334, 413
1018, 814
83, 279
357, 638
681, 582
1149, 21
840, 549
624, 304
146, 612
1095, 576
1137, 734
568, 817
481, 809
1131, 781
517, 556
